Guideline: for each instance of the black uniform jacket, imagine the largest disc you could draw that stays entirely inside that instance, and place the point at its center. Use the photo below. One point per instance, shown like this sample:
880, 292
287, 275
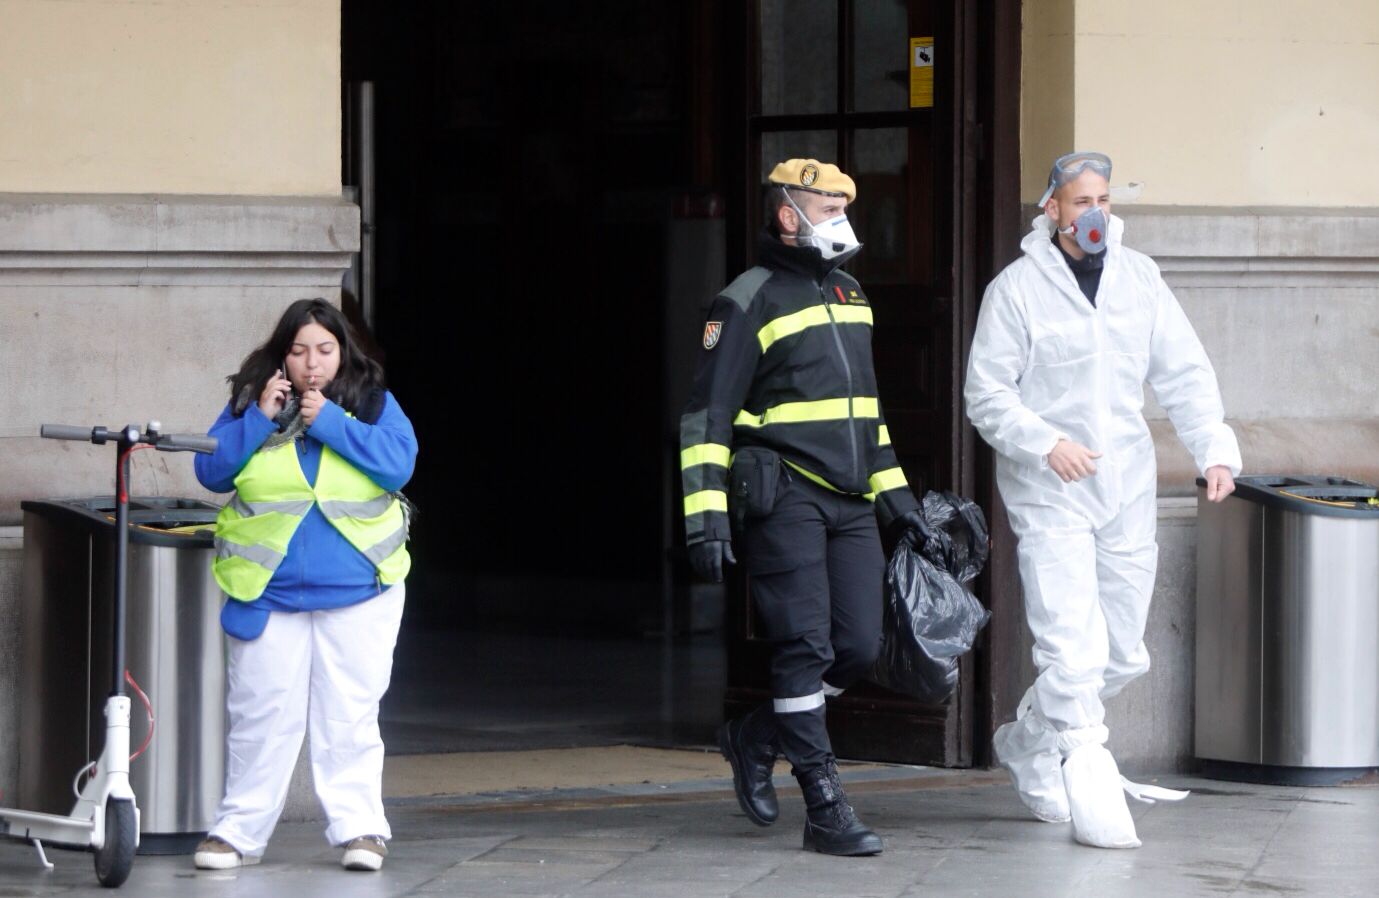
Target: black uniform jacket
786, 364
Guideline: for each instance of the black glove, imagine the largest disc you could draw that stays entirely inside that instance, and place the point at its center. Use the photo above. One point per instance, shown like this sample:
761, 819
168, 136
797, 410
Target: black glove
912, 529
707, 558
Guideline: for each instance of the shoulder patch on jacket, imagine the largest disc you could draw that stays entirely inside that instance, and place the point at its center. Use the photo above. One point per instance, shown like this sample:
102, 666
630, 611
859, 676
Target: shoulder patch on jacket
745, 286
712, 331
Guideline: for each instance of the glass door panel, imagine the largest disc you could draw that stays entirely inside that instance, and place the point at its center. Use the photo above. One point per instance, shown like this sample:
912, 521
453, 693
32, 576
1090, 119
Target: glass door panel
880, 167
880, 57
798, 56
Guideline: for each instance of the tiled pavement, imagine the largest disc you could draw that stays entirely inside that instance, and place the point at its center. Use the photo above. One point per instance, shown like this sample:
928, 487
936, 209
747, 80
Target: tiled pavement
946, 834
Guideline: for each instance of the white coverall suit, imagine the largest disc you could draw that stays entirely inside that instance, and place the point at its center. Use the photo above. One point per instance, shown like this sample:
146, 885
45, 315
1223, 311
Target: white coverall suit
1047, 364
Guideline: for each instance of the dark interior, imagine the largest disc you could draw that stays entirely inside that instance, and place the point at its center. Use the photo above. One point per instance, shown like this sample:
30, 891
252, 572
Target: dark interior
528, 159
560, 188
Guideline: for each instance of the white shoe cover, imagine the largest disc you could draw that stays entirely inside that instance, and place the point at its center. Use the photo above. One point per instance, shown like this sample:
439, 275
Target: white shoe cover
1030, 755
1096, 798
1151, 794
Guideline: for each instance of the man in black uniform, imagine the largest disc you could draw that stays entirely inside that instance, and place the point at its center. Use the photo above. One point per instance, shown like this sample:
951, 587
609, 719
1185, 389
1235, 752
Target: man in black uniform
783, 435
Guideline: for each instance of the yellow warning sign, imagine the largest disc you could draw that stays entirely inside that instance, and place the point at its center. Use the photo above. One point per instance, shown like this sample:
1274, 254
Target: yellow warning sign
921, 72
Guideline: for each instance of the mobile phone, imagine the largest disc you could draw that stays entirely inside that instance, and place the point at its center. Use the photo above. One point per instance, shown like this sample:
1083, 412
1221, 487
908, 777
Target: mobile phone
292, 389
283, 418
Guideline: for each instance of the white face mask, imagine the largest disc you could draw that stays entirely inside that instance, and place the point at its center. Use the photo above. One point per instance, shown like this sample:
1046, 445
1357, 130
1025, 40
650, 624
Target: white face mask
833, 237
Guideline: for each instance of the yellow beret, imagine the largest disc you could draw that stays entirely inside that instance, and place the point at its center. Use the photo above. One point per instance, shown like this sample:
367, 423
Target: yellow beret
813, 175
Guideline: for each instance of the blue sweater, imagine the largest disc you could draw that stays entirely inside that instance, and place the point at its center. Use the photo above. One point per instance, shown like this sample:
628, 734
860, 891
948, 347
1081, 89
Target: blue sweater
321, 570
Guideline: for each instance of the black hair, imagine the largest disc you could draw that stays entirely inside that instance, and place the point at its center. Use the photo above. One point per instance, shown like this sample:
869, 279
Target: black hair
355, 383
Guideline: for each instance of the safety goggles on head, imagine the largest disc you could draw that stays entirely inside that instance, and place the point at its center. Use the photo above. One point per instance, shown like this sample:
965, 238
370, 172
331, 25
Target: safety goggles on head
1066, 168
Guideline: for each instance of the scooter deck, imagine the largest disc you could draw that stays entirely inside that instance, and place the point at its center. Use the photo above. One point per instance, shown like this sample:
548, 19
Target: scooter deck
59, 830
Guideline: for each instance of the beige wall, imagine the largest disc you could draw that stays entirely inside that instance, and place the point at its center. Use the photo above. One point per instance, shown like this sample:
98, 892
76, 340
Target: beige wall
1222, 103
170, 96
1046, 103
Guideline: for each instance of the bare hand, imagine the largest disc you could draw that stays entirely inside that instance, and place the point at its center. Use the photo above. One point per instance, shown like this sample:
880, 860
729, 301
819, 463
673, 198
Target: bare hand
312, 403
1220, 483
274, 395
1072, 461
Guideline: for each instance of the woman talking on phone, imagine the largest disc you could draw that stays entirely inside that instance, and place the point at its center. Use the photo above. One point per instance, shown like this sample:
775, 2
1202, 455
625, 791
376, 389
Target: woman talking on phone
311, 552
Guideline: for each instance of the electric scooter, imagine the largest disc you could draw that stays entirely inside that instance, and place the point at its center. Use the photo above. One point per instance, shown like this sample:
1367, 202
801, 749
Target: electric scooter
105, 817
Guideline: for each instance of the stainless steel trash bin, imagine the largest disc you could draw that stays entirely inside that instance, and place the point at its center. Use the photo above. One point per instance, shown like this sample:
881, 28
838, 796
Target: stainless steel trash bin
1288, 631
175, 652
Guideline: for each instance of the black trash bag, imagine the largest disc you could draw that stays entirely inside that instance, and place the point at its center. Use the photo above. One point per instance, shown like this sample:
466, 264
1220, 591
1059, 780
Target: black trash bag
931, 620
956, 539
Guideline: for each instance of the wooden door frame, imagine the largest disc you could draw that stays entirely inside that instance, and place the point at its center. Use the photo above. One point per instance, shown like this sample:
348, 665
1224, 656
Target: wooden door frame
991, 155
987, 229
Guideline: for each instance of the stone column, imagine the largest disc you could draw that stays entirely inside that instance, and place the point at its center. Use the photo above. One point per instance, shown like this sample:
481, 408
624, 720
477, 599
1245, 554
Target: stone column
119, 309
1286, 302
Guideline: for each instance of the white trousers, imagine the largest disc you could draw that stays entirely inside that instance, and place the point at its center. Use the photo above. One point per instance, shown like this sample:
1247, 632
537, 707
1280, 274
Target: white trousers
327, 670
1087, 593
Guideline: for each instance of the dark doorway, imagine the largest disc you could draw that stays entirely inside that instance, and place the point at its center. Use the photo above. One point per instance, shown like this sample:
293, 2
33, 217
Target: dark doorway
536, 165
528, 156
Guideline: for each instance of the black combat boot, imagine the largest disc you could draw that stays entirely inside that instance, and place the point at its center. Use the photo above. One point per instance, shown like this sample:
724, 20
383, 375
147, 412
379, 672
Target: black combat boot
749, 745
832, 827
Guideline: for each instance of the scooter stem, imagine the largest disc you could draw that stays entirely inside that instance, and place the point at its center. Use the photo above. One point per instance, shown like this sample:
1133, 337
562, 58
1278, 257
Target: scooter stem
115, 756
129, 437
111, 778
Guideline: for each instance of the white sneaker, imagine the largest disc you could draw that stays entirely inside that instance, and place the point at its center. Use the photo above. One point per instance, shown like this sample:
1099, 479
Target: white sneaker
1029, 753
365, 853
1096, 798
214, 853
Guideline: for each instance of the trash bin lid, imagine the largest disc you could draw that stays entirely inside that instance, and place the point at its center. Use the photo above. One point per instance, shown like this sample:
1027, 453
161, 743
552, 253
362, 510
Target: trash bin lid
1317, 494
177, 522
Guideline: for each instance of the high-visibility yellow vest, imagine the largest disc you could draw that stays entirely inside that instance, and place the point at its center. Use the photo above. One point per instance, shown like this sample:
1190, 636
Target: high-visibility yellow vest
271, 498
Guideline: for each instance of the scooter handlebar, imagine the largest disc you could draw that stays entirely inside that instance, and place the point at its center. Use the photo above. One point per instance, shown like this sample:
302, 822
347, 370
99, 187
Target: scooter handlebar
65, 432
187, 442
167, 442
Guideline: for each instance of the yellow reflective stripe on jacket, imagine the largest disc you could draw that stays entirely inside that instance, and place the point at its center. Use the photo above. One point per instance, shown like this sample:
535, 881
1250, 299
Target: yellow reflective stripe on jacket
814, 316
706, 500
883, 436
815, 478
705, 454
818, 410
888, 479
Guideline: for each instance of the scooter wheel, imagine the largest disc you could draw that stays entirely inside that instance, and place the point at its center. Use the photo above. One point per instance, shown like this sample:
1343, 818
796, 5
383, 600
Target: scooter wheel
114, 861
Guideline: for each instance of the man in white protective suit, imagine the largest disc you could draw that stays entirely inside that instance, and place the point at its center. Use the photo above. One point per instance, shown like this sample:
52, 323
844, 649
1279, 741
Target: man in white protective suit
1066, 339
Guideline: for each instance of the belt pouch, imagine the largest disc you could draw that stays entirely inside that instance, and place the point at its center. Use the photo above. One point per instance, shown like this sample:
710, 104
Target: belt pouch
755, 480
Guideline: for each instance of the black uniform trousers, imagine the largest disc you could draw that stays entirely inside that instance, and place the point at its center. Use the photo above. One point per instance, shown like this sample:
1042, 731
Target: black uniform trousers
816, 568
